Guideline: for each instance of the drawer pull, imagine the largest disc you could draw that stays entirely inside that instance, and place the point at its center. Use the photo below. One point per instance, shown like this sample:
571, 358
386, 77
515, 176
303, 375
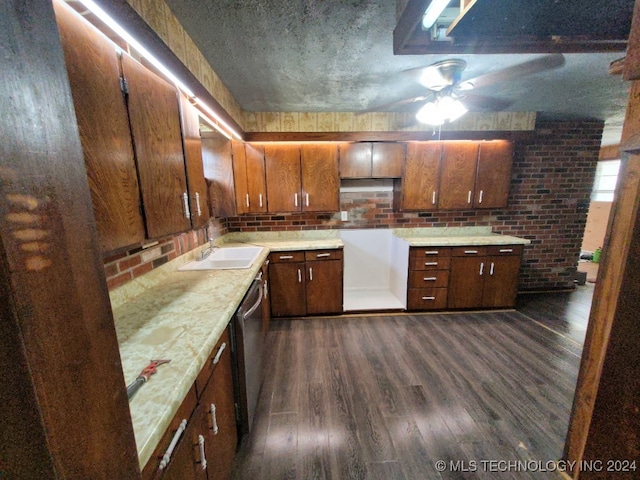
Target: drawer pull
299, 276
320, 255
428, 298
214, 419
506, 250
431, 252
491, 269
429, 279
216, 359
166, 458
481, 268
430, 264
470, 252
286, 257
203, 455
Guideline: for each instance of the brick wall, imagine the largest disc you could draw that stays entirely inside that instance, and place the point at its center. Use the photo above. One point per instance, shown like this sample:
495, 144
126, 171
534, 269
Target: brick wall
549, 198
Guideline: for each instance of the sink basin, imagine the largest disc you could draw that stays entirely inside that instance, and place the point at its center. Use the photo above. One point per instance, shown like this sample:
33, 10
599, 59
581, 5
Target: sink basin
226, 258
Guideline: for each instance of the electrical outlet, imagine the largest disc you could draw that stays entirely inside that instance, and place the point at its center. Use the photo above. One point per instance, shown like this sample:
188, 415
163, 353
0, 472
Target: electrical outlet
344, 216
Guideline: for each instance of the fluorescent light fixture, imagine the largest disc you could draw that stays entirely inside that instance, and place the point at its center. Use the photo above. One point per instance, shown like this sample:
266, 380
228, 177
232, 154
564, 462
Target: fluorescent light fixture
434, 10
113, 25
443, 109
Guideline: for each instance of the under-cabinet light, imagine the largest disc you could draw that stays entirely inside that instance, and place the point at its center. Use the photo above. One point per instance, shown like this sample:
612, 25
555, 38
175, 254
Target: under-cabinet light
214, 125
113, 25
434, 10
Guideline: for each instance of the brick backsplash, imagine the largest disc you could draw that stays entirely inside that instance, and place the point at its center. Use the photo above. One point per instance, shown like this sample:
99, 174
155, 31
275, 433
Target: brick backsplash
551, 183
124, 267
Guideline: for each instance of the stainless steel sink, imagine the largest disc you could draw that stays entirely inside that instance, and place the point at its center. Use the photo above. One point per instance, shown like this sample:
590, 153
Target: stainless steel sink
226, 258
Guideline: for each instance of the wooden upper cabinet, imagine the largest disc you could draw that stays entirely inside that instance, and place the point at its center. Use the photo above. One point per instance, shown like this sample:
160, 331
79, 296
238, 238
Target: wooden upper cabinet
192, 145
282, 167
458, 175
493, 175
218, 170
387, 159
355, 160
92, 65
155, 125
249, 177
371, 160
320, 178
420, 185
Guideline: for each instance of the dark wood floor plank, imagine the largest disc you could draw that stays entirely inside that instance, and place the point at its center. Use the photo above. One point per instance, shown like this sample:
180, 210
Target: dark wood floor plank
281, 447
314, 459
389, 470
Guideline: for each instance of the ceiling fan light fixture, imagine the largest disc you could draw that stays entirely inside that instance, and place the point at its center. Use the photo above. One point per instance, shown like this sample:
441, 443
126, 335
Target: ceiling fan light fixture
430, 114
433, 11
443, 109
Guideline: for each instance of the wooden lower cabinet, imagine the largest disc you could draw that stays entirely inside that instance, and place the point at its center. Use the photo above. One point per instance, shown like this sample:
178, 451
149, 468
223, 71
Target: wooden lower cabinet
428, 278
306, 283
484, 277
205, 426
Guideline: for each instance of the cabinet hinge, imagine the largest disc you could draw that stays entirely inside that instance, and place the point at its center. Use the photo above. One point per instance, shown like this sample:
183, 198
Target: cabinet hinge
124, 86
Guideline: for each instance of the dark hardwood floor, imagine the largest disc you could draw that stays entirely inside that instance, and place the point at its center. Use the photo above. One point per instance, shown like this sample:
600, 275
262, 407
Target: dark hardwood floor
386, 397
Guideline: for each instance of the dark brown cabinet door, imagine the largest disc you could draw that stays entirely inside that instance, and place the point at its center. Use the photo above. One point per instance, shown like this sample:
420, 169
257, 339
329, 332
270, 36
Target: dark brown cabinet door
320, 178
240, 177
218, 169
282, 167
387, 160
186, 461
355, 160
466, 282
458, 174
218, 421
420, 185
101, 112
324, 286
501, 281
155, 126
288, 293
192, 145
493, 174
256, 183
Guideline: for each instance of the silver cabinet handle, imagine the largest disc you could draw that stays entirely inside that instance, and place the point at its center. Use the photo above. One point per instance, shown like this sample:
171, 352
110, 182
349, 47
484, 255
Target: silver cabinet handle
433, 198
470, 252
216, 359
299, 276
469, 197
286, 257
429, 279
265, 290
481, 268
310, 273
203, 455
321, 255
166, 458
428, 298
185, 202
247, 199
295, 199
430, 264
214, 419
260, 200
491, 269
431, 252
506, 250
480, 199
198, 209
307, 199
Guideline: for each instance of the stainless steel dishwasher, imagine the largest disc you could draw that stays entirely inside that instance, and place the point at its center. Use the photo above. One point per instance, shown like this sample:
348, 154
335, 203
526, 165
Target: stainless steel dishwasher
247, 346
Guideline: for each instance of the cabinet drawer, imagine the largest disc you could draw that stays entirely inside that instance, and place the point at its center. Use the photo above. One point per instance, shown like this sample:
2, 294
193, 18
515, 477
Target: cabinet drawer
473, 251
151, 469
438, 263
427, 298
212, 360
426, 278
284, 257
497, 250
333, 254
429, 252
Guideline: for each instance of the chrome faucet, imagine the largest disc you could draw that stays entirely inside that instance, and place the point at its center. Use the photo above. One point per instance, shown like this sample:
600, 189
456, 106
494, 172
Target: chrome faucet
207, 251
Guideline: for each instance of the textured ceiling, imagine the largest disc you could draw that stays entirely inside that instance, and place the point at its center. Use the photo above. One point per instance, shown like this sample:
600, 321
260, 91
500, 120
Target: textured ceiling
337, 55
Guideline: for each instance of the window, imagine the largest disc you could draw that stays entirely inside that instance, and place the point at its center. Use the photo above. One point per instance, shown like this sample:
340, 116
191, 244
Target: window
605, 182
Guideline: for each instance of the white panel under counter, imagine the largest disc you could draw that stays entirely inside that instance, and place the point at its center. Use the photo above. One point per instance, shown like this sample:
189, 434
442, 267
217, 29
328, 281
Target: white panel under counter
455, 236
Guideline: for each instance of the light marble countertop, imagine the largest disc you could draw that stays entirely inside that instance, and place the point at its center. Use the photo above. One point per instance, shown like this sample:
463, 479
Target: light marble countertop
180, 315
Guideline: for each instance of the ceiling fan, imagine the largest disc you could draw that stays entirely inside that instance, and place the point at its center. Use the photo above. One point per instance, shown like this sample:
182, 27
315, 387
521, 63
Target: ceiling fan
448, 97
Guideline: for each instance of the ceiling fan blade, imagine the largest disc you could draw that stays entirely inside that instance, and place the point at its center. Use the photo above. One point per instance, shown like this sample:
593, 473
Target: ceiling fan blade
407, 101
541, 64
484, 102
